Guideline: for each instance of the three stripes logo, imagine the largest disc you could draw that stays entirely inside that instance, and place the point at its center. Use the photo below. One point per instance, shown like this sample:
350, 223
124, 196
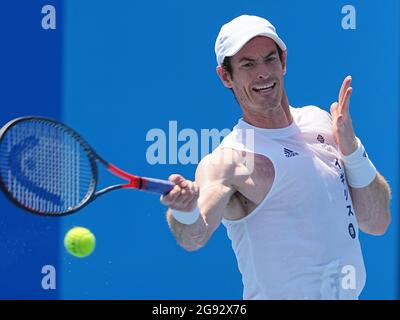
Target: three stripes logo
289, 153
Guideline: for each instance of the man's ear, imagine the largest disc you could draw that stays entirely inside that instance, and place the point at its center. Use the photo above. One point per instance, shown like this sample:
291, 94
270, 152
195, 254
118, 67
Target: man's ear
284, 56
225, 77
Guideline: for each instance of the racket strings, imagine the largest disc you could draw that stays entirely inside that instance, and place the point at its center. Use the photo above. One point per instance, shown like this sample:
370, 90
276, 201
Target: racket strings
44, 167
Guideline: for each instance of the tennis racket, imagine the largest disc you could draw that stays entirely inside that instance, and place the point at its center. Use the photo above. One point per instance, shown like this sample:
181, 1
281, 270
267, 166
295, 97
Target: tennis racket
49, 169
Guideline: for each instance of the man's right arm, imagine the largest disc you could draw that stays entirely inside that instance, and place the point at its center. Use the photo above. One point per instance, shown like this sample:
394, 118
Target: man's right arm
211, 192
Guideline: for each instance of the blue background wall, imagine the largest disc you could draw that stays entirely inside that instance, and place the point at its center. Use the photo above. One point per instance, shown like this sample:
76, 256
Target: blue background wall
30, 83
116, 69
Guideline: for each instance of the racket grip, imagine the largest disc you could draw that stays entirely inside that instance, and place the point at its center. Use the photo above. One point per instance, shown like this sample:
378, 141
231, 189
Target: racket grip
157, 185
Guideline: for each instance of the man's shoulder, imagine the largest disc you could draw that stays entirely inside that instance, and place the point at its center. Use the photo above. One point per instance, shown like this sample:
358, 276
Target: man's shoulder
225, 163
231, 165
310, 108
311, 112
224, 157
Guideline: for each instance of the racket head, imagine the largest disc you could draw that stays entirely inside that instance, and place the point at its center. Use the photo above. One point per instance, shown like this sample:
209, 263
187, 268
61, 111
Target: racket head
46, 167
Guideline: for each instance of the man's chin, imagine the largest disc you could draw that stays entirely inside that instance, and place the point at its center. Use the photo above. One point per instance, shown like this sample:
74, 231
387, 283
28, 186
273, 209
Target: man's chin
266, 102
268, 105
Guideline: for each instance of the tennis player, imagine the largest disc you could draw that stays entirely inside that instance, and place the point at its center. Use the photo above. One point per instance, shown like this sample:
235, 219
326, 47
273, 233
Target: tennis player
293, 213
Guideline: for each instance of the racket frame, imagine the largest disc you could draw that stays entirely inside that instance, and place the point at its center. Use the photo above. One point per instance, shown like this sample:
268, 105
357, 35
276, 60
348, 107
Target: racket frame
135, 182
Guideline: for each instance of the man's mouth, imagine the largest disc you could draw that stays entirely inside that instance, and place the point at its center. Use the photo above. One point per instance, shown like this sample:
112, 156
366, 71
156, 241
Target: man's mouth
265, 88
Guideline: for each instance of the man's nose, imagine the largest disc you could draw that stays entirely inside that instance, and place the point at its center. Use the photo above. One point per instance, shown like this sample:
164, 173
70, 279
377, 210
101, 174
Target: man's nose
262, 72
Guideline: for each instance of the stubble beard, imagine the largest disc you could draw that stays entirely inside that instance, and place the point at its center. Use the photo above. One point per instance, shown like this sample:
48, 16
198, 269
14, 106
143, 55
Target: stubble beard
268, 105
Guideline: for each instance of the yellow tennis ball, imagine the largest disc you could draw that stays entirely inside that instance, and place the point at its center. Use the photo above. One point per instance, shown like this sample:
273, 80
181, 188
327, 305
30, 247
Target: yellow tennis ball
80, 242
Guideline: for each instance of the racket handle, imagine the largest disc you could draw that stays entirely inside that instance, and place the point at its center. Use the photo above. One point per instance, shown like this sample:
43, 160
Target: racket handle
157, 185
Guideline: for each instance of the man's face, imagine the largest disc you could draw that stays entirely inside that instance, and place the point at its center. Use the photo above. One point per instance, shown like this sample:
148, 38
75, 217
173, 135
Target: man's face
257, 75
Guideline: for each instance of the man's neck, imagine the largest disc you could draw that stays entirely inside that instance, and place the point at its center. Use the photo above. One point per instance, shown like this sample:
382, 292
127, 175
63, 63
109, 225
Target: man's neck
279, 117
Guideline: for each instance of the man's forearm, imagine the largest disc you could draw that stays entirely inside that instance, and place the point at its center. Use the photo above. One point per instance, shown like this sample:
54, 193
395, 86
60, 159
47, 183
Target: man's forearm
372, 206
191, 237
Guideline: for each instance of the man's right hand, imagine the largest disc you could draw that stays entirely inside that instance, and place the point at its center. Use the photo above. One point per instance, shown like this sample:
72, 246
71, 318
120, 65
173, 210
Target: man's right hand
184, 196
216, 191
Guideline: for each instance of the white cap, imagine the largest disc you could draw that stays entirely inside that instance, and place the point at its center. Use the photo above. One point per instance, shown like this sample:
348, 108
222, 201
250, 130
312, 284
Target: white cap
236, 33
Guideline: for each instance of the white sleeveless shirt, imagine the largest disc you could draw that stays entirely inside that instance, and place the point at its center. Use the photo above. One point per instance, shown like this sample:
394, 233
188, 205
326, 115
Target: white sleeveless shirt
301, 242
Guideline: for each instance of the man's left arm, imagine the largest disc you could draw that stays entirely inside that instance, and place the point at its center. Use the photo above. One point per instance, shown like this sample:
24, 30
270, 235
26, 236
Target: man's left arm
369, 190
372, 206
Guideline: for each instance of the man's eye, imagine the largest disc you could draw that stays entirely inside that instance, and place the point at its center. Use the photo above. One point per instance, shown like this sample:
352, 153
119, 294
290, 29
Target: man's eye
248, 65
269, 59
